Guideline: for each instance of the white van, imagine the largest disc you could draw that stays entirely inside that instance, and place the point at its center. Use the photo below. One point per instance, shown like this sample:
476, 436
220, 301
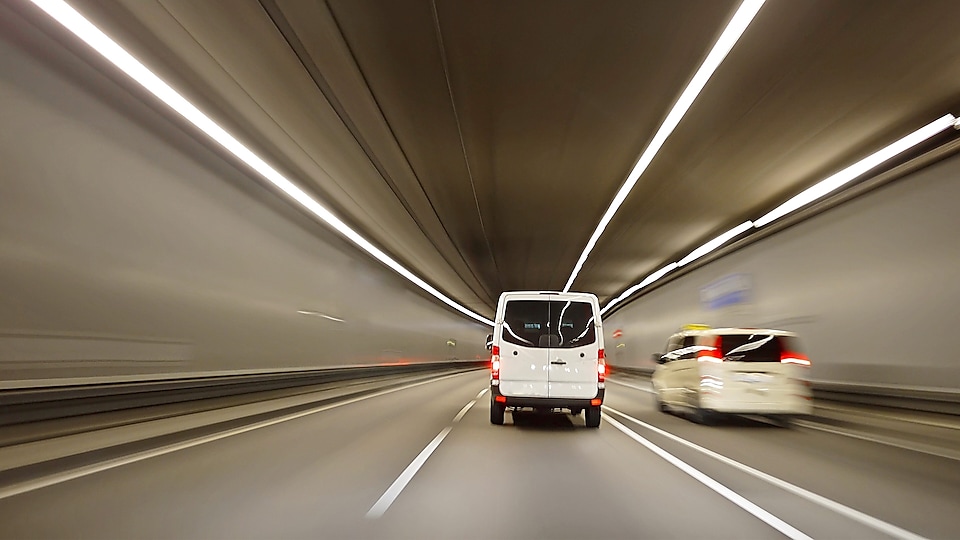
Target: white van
708, 372
547, 354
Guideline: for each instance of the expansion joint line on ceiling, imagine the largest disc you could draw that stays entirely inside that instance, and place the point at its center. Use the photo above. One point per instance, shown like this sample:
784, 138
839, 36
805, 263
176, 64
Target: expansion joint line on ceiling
463, 146
275, 14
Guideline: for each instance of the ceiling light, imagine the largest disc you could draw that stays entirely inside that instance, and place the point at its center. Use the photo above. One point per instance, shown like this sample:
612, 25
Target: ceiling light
318, 314
646, 281
109, 49
716, 243
735, 28
834, 182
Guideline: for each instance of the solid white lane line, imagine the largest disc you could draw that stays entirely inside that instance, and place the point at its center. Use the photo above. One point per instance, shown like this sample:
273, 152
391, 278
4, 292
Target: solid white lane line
904, 446
725, 492
647, 390
37, 483
856, 515
392, 492
482, 392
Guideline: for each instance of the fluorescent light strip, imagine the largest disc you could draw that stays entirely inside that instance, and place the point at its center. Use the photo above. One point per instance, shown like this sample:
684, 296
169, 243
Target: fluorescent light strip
716, 243
109, 49
845, 176
646, 281
735, 28
807, 196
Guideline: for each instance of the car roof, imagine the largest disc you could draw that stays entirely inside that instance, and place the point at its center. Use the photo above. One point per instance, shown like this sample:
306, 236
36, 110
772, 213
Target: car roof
734, 331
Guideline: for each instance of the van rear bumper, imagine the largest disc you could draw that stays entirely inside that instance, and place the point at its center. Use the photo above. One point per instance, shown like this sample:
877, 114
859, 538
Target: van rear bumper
545, 402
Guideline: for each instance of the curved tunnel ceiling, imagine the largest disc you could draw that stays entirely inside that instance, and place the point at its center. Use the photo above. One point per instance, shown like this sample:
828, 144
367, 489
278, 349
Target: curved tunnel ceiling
480, 142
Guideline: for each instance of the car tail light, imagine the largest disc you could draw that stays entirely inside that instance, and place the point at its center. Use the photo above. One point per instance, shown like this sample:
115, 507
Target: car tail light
601, 367
789, 357
495, 364
714, 354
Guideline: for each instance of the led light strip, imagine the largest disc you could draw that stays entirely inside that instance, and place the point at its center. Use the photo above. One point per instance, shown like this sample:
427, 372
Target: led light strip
735, 28
115, 54
807, 196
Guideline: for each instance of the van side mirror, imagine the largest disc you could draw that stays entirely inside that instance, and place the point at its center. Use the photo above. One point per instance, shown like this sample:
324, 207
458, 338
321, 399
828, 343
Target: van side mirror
657, 358
489, 342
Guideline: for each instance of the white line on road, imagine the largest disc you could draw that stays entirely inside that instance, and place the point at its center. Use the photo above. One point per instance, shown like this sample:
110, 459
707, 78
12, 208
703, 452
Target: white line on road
392, 492
902, 445
830, 504
785, 528
37, 483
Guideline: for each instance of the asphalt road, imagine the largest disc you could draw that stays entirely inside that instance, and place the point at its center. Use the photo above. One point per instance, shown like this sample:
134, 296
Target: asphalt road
417, 463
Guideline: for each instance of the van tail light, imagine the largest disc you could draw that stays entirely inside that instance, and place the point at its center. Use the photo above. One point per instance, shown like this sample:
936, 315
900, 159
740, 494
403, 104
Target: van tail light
714, 354
601, 367
789, 357
495, 364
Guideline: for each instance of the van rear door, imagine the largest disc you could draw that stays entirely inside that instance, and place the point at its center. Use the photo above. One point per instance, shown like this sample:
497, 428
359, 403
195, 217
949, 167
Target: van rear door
524, 346
574, 347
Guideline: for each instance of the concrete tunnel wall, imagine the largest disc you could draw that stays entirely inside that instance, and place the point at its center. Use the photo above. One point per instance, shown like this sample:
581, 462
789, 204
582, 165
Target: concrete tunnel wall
127, 247
871, 286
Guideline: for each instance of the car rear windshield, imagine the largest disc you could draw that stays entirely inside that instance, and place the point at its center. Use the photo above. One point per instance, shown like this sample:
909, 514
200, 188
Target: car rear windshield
756, 347
549, 324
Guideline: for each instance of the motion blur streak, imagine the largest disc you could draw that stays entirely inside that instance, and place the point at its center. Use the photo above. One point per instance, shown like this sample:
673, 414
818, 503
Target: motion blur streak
32, 485
109, 49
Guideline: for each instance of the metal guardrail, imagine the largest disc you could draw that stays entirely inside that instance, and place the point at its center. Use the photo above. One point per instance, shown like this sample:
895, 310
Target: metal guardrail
935, 400
29, 404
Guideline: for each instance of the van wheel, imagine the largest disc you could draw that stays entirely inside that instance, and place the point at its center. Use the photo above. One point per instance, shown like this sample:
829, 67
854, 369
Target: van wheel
496, 412
593, 416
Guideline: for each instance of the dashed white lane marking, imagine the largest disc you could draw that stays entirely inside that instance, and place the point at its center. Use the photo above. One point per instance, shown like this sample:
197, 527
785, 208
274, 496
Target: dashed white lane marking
725, 492
640, 388
392, 492
856, 515
37, 483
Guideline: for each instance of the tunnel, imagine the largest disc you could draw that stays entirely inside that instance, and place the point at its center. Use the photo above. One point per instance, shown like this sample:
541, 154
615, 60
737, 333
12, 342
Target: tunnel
256, 262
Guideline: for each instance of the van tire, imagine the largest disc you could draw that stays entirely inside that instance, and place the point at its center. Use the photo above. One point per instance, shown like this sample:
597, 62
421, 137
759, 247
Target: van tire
496, 412
592, 416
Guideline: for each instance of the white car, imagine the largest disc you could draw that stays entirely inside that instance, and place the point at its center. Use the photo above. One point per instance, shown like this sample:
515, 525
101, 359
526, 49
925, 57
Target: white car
547, 354
708, 372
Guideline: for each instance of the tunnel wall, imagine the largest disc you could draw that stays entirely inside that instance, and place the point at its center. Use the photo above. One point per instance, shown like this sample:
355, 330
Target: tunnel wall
872, 287
129, 247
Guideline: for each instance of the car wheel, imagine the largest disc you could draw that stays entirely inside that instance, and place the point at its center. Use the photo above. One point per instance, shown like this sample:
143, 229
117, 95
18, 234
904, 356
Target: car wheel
661, 406
496, 412
782, 420
593, 416
703, 416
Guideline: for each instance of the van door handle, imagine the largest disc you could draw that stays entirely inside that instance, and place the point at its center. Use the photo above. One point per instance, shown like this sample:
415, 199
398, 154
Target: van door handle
559, 362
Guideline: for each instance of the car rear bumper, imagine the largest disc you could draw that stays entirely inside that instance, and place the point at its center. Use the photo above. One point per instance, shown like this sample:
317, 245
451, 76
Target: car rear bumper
547, 402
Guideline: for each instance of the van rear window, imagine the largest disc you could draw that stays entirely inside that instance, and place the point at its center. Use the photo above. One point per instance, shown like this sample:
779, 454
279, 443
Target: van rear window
549, 324
756, 347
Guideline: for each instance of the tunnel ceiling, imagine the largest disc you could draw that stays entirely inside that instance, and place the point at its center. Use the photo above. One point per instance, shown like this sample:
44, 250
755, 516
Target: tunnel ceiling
480, 142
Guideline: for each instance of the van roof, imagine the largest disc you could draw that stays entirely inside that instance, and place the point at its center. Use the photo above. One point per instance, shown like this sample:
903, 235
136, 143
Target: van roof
554, 293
